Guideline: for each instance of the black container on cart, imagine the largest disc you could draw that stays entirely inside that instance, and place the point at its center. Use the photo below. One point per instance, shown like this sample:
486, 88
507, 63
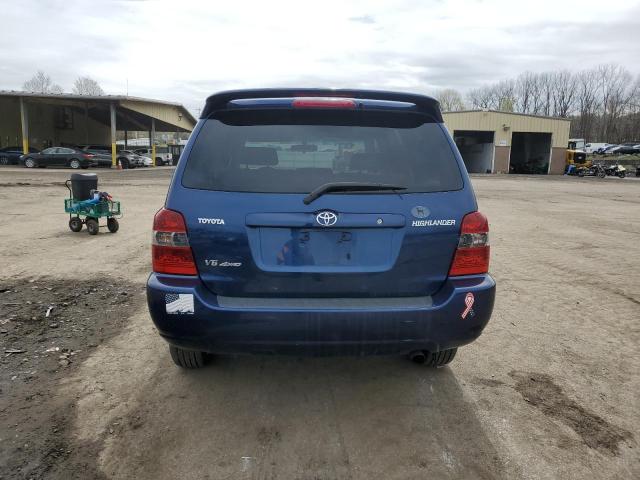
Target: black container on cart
82, 184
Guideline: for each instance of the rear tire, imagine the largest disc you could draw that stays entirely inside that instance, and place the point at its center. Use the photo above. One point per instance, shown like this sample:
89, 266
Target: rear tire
75, 164
439, 359
187, 358
92, 226
75, 224
112, 225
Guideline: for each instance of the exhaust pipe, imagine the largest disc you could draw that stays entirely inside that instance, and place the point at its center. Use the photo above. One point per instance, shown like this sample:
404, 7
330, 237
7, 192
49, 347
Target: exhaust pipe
419, 356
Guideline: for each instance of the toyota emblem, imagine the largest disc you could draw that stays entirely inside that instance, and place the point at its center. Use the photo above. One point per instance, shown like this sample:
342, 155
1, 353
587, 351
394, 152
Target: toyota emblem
326, 218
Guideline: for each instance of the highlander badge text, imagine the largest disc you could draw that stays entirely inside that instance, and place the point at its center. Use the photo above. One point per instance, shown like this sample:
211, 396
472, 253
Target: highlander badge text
432, 223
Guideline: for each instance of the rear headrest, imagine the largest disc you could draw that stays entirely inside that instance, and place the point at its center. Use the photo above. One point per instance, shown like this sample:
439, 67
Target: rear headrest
257, 156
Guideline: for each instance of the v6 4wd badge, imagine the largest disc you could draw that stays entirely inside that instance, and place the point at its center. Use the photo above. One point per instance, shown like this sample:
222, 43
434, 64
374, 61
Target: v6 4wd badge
218, 263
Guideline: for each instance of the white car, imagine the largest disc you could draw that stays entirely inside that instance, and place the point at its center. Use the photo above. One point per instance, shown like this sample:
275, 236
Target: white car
147, 162
594, 147
163, 156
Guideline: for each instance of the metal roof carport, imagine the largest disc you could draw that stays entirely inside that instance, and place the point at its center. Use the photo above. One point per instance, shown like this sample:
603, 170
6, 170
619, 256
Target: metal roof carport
49, 119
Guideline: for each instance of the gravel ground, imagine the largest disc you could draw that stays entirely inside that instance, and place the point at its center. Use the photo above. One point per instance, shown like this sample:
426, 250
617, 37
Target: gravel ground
550, 390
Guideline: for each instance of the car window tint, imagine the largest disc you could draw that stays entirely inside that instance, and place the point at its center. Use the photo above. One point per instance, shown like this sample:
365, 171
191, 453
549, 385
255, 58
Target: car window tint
295, 153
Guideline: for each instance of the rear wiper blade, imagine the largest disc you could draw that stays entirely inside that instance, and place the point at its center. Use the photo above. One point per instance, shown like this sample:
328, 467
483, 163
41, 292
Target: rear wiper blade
349, 187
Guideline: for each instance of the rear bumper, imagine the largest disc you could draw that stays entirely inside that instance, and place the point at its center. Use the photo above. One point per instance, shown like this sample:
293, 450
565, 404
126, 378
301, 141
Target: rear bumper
313, 330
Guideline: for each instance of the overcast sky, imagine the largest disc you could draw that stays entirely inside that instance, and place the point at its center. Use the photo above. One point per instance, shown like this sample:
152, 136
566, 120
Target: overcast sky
183, 51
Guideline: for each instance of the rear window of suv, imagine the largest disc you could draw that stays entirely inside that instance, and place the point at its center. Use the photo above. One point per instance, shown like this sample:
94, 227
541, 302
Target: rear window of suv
295, 151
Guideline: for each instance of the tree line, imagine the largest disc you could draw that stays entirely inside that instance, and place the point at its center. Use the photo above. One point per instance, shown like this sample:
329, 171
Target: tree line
602, 102
42, 83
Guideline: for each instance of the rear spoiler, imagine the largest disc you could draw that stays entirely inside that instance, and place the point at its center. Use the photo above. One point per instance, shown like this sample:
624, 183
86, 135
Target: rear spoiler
424, 104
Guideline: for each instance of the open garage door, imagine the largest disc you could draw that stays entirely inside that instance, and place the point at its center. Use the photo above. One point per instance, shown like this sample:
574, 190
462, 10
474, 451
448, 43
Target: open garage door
476, 148
530, 153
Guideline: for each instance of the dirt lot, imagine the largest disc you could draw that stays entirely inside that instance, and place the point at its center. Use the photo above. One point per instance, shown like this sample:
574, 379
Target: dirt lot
549, 391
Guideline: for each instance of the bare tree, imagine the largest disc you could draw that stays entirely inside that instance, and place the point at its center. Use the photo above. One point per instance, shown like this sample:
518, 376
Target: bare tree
482, 97
632, 123
525, 92
586, 103
634, 103
87, 86
563, 93
450, 100
545, 81
504, 94
603, 103
616, 93
537, 88
41, 83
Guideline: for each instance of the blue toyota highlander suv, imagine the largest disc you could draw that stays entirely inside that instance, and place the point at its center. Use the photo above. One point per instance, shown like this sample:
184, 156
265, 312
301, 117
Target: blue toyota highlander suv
322, 222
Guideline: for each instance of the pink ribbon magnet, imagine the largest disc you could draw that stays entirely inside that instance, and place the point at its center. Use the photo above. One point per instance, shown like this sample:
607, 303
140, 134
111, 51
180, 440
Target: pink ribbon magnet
468, 301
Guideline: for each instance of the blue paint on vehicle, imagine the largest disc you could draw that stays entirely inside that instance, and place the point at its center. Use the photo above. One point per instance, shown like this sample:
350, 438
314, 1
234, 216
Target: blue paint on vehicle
351, 272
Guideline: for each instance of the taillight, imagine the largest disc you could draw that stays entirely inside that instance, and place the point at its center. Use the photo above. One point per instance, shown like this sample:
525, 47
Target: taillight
472, 254
323, 102
88, 155
170, 248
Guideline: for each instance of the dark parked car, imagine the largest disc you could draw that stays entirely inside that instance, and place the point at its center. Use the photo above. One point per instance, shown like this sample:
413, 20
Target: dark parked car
126, 158
101, 156
366, 242
59, 157
11, 155
606, 150
628, 148
97, 148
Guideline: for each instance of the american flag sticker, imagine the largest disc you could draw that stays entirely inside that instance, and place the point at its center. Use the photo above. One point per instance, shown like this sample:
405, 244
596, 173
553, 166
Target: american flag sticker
179, 302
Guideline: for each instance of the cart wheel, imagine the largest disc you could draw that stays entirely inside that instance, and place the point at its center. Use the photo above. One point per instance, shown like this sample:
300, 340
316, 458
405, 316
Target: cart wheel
92, 226
75, 224
112, 225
